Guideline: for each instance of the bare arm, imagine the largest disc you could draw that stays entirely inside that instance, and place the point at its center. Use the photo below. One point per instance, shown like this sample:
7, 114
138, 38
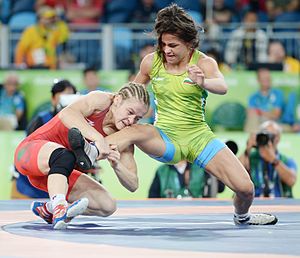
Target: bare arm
208, 76
286, 174
273, 114
143, 75
74, 116
125, 167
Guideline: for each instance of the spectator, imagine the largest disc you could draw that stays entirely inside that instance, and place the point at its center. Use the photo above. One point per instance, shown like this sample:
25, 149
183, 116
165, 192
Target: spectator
37, 45
59, 5
272, 172
145, 12
59, 88
178, 181
247, 44
277, 54
91, 81
87, 12
264, 104
21, 187
291, 114
12, 104
222, 14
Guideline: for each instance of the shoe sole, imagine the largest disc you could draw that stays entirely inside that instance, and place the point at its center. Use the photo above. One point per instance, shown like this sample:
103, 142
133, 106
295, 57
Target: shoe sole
60, 225
77, 142
273, 222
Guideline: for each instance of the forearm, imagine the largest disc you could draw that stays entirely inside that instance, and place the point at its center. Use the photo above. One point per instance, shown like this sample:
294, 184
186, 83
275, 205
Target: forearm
72, 118
286, 174
273, 115
244, 159
215, 85
127, 177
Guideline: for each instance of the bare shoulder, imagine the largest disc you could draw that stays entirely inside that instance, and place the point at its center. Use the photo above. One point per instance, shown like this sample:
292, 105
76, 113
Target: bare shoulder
206, 61
143, 75
209, 66
146, 64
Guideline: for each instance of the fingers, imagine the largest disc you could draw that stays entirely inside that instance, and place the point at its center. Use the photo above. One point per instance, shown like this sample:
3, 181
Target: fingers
103, 148
114, 154
194, 69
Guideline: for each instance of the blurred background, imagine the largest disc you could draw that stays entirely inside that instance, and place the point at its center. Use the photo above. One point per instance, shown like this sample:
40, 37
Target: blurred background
46, 40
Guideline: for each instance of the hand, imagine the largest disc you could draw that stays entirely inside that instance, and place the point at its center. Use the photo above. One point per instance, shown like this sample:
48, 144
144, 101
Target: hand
251, 141
296, 128
114, 156
268, 152
196, 75
103, 148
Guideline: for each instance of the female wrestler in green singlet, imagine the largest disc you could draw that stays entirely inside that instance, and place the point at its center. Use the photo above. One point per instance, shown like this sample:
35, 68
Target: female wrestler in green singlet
181, 78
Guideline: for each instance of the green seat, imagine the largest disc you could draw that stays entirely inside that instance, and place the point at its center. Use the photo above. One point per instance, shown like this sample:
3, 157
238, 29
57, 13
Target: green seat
229, 116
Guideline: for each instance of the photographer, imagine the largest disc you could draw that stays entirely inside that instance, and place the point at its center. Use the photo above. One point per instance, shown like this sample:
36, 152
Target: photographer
272, 173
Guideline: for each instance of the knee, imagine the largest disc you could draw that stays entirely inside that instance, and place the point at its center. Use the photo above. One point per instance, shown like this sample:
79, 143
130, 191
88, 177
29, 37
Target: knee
61, 161
104, 208
246, 191
109, 207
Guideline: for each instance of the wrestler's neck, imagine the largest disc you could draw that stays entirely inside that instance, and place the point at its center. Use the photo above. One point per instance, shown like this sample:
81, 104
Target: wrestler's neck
180, 66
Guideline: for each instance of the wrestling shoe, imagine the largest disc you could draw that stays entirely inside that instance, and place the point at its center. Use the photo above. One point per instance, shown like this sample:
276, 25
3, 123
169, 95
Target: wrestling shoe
63, 213
256, 219
40, 210
84, 153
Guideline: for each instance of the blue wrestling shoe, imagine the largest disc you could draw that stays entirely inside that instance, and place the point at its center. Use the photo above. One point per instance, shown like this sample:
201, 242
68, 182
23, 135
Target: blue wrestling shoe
63, 214
40, 210
256, 219
62, 217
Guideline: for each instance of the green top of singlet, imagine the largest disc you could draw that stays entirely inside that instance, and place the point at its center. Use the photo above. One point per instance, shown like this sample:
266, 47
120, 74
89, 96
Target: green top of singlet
180, 102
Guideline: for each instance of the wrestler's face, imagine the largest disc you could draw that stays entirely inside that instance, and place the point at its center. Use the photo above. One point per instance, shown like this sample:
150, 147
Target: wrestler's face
174, 49
128, 112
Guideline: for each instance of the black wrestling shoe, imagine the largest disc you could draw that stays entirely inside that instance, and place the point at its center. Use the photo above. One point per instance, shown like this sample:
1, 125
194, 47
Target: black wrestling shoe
81, 149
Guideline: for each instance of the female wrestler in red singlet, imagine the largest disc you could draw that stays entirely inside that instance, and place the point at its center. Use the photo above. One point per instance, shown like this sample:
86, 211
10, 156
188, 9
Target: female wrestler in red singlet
46, 156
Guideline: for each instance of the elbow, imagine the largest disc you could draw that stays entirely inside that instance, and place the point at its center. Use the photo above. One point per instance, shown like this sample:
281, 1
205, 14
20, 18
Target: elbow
62, 115
292, 181
133, 186
224, 89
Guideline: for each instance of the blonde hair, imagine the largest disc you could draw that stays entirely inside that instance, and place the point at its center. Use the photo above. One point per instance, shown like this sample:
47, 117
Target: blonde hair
136, 90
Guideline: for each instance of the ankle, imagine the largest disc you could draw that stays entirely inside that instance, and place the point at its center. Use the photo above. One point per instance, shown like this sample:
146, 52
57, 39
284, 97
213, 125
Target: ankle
241, 216
57, 200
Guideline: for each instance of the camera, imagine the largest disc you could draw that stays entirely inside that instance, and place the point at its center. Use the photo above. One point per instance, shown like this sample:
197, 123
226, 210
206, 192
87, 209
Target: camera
263, 138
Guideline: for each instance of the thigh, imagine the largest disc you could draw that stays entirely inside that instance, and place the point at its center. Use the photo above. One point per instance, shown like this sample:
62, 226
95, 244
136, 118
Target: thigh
146, 137
31, 160
32, 157
227, 168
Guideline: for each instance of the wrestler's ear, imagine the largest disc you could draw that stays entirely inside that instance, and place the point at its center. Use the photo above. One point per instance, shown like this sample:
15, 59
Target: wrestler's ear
118, 100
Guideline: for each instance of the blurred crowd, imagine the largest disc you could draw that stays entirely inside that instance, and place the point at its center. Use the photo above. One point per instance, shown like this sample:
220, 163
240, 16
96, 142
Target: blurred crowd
47, 25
